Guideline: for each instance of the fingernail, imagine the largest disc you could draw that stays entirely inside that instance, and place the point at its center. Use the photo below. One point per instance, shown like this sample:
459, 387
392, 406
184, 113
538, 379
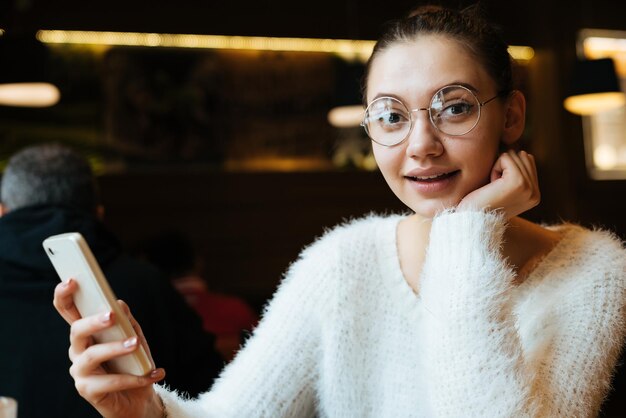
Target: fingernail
155, 373
66, 283
131, 342
106, 317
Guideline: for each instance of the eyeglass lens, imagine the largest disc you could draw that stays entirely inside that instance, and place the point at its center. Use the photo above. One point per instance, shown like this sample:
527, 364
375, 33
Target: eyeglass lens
454, 110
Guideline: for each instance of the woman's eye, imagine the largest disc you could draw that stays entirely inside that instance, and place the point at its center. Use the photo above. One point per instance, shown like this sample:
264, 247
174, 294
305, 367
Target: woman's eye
390, 118
391, 121
457, 109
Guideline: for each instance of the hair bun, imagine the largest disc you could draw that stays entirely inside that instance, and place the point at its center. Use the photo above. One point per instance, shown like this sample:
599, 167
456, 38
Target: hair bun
422, 10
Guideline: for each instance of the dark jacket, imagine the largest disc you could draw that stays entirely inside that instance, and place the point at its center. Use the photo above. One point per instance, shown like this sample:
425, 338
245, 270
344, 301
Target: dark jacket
34, 339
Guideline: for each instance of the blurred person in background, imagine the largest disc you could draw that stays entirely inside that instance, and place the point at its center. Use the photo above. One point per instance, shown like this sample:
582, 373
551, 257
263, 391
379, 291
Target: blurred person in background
228, 317
48, 190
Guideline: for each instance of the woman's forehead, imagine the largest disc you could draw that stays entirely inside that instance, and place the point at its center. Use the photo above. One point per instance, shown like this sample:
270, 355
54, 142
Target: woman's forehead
424, 65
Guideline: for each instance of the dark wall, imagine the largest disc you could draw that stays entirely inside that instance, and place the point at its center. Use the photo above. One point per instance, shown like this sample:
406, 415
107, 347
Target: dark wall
532, 22
247, 226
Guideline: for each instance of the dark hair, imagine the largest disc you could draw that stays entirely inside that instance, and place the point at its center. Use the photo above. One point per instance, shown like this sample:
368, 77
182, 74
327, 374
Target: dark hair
48, 174
467, 26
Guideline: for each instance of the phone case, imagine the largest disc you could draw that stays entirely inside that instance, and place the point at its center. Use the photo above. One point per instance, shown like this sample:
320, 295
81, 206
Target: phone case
71, 257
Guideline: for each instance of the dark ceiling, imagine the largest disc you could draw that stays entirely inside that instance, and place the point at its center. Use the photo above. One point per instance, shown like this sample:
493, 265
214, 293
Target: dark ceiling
531, 22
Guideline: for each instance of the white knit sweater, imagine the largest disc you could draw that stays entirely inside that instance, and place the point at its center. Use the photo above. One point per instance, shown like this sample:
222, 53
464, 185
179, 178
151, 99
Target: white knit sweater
345, 335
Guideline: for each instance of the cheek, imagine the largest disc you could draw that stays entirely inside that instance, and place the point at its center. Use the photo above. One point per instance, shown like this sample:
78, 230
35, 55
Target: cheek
483, 168
379, 156
480, 158
387, 159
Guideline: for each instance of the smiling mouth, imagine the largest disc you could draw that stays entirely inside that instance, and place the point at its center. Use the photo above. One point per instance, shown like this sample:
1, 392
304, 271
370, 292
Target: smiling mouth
433, 178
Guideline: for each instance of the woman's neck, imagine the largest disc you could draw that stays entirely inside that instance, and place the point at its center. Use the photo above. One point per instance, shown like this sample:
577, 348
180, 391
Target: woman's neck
412, 240
524, 245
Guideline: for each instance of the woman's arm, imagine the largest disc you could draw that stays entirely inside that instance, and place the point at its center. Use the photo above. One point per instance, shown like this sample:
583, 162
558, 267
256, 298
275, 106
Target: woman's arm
473, 355
275, 374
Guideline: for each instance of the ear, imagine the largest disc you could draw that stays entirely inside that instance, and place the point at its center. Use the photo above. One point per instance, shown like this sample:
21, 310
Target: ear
3, 210
514, 118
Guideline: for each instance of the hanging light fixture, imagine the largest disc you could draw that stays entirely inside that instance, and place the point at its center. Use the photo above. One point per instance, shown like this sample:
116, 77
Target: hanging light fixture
594, 88
24, 78
347, 110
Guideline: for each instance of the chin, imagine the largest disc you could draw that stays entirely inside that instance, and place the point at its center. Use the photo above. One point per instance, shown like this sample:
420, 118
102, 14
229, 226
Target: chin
429, 209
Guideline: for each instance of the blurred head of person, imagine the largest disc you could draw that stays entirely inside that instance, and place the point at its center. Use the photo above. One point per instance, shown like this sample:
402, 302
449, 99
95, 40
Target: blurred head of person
48, 175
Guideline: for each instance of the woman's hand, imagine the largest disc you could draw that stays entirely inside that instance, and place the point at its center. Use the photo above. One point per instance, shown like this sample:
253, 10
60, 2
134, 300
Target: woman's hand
514, 187
113, 395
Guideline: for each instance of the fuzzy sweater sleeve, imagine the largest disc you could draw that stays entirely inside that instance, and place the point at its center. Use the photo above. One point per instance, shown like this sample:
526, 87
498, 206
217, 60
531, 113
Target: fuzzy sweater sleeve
475, 363
275, 373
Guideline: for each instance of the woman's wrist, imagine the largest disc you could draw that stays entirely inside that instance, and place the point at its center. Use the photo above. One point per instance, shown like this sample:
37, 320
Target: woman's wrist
157, 407
163, 408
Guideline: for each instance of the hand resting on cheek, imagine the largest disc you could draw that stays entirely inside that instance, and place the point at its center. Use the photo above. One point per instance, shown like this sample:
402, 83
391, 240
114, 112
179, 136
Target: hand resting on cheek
513, 187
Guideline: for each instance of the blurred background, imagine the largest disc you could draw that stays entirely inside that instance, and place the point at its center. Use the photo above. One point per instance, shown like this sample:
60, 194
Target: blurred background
226, 138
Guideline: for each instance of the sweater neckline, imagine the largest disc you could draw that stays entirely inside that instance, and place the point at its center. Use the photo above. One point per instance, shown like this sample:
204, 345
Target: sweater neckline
389, 260
563, 246
391, 270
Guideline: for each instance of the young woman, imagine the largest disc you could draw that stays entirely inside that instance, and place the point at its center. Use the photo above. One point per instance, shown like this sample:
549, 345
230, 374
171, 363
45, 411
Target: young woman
460, 309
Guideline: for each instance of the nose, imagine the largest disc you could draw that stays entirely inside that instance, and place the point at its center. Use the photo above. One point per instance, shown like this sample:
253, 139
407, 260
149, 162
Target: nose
423, 141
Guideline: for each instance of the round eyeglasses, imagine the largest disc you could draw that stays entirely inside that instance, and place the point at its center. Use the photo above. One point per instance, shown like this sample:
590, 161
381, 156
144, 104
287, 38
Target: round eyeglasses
454, 110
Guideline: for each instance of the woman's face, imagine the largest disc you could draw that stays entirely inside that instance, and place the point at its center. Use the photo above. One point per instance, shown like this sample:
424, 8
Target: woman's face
431, 171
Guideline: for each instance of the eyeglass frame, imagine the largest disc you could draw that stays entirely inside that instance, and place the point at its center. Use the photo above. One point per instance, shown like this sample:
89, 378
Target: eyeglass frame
430, 115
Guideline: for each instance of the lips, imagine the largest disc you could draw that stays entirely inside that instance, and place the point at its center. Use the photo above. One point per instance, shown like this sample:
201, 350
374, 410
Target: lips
432, 183
431, 177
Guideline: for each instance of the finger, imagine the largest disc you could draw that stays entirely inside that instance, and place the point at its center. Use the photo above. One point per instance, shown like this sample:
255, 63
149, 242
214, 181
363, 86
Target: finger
99, 386
138, 330
83, 329
64, 300
504, 166
529, 162
521, 167
530, 187
92, 358
497, 170
529, 168
534, 164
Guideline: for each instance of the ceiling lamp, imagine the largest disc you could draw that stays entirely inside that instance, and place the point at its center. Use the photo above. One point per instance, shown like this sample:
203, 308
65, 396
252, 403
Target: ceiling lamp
594, 88
347, 107
24, 79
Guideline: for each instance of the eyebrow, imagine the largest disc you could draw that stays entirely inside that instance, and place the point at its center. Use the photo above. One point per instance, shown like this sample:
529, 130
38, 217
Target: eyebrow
453, 83
466, 85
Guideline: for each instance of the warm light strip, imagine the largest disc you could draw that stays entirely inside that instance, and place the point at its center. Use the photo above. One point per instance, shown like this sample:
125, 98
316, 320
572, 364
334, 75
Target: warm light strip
341, 46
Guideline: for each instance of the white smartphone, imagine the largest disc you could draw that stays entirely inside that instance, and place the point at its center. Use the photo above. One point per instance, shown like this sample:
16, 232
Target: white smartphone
71, 257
